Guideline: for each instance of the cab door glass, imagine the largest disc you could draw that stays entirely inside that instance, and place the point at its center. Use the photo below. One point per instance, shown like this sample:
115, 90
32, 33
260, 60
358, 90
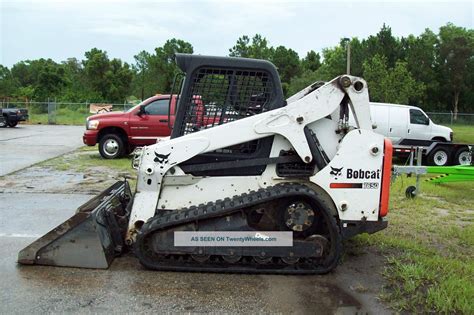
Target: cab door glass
159, 107
418, 118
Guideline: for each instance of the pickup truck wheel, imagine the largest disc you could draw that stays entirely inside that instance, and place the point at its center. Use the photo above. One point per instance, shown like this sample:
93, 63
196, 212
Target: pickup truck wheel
438, 157
462, 157
12, 123
3, 122
111, 146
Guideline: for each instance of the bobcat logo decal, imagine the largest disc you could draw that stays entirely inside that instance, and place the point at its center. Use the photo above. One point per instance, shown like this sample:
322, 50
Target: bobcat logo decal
336, 171
161, 158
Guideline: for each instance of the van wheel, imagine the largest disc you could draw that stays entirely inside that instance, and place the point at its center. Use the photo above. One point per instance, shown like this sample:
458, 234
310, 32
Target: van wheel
111, 146
439, 139
463, 157
438, 157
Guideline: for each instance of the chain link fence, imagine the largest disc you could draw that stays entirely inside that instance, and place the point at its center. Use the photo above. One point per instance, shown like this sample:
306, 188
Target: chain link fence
450, 119
63, 113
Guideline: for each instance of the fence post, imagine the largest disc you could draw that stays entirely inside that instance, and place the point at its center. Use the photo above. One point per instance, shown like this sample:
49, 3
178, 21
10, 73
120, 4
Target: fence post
451, 117
51, 112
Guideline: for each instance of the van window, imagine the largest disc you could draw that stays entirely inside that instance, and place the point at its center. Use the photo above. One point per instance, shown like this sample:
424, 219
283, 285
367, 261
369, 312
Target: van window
417, 117
159, 107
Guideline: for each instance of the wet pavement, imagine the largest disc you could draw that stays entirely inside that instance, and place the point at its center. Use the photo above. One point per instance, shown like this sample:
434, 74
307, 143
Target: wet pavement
35, 200
26, 145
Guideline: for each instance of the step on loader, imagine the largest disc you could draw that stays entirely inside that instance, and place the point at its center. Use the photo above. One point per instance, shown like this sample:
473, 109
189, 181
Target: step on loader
263, 164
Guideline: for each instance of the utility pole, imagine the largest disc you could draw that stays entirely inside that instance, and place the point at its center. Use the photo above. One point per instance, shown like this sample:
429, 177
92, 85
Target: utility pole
143, 82
348, 49
349, 57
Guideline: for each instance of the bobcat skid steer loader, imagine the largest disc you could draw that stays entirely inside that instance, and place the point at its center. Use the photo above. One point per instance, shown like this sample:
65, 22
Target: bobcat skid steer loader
261, 164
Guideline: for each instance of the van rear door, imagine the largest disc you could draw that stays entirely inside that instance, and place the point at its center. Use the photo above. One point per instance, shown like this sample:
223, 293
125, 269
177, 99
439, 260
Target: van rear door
398, 123
379, 115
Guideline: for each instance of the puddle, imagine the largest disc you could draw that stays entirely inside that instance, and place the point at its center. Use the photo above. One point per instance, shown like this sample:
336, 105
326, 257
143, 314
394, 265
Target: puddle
310, 295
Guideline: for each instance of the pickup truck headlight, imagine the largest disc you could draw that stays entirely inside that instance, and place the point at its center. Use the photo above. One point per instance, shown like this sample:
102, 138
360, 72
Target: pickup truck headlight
92, 124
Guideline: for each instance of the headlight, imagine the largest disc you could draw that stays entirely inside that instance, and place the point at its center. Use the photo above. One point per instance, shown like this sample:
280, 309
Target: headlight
92, 124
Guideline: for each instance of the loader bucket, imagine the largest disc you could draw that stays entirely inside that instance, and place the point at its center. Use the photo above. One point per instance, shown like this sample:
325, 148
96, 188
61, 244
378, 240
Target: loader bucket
91, 238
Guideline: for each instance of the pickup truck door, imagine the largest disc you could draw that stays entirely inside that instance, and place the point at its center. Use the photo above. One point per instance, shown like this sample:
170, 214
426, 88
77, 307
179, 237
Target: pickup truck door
146, 128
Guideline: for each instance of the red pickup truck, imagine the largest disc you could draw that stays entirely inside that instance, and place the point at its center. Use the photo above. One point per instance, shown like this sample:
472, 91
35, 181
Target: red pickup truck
118, 133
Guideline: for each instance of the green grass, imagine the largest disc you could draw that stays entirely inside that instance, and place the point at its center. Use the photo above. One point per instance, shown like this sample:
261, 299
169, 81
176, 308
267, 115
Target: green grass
429, 246
463, 133
64, 116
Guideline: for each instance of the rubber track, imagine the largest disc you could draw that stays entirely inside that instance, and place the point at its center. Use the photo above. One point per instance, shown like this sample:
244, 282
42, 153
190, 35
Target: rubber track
225, 207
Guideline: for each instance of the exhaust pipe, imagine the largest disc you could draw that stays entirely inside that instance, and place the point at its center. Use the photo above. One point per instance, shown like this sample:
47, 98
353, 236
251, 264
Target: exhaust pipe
91, 238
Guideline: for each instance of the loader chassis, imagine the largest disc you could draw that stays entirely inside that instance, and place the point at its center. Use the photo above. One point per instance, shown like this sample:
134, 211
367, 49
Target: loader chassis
306, 135
260, 164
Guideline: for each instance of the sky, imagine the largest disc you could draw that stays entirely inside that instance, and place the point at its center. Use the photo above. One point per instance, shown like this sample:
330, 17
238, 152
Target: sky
59, 29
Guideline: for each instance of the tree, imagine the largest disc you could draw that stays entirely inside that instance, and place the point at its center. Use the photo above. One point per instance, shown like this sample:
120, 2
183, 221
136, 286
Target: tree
110, 79
44, 77
8, 85
420, 55
401, 87
120, 77
50, 81
456, 50
391, 85
23, 74
258, 49
383, 44
96, 66
309, 77
77, 87
312, 61
358, 56
334, 62
171, 48
163, 62
376, 73
154, 73
287, 62
141, 73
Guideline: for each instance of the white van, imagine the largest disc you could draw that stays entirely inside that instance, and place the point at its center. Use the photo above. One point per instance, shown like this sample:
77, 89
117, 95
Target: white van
407, 125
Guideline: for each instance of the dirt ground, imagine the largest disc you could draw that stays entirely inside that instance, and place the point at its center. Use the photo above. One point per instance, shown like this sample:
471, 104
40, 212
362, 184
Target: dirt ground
353, 287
